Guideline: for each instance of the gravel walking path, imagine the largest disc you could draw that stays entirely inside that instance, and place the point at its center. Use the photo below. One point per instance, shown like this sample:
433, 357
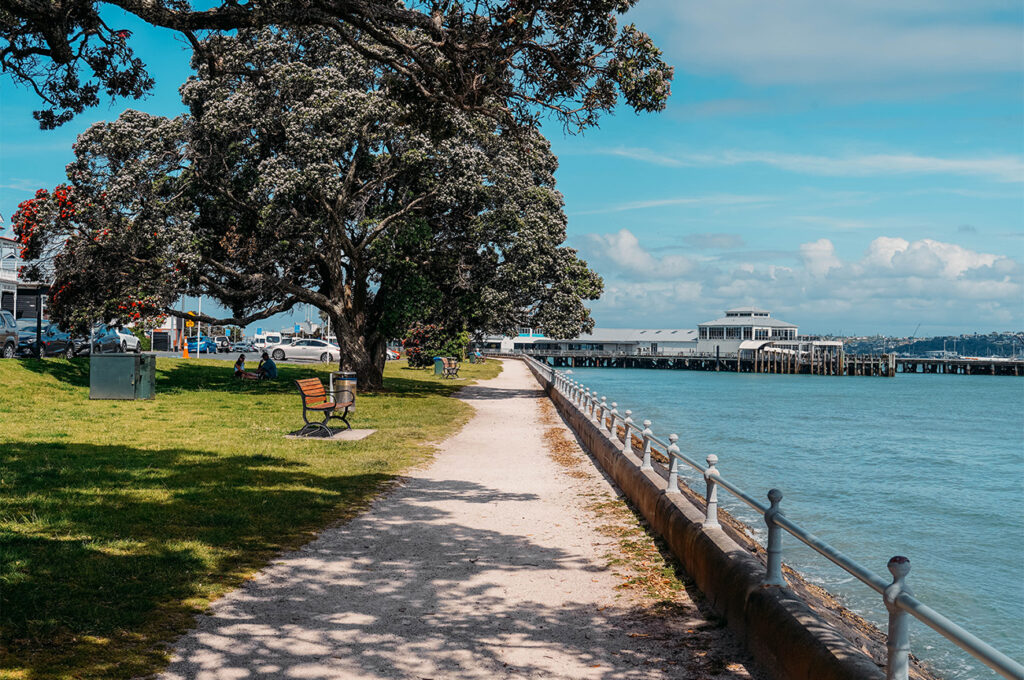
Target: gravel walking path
486, 563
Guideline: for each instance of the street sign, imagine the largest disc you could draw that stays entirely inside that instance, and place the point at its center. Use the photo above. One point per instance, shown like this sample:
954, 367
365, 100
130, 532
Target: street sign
298, 328
190, 323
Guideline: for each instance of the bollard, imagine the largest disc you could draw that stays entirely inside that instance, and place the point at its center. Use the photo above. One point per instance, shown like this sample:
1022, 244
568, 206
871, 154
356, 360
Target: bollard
627, 440
711, 498
673, 470
647, 434
898, 644
615, 420
773, 573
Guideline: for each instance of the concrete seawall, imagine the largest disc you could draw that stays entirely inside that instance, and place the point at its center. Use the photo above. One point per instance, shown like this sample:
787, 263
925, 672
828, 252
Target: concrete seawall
787, 637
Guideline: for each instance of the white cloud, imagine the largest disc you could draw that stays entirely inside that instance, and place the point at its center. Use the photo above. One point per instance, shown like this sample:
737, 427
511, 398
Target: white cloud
723, 200
819, 257
624, 251
937, 283
1000, 168
837, 43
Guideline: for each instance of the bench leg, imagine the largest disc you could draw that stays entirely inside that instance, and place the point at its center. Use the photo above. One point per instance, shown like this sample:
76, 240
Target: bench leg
343, 417
316, 427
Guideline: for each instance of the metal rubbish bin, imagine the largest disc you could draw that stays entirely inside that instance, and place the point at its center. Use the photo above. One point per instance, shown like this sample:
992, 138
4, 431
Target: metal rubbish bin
122, 376
344, 381
438, 366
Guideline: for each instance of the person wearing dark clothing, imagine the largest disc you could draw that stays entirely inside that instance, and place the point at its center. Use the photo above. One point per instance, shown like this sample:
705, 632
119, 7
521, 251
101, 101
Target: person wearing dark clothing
267, 370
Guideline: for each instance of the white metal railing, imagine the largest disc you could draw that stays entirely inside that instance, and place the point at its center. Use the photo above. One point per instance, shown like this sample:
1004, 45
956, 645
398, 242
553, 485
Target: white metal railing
896, 594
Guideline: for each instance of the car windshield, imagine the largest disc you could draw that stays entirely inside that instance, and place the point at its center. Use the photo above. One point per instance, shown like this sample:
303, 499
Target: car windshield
26, 324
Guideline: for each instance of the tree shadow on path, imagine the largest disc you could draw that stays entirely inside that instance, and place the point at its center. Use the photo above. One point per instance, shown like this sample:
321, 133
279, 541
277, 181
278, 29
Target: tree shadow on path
405, 591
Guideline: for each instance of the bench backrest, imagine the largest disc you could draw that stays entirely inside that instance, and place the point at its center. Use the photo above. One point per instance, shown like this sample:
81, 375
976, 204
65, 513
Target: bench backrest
312, 390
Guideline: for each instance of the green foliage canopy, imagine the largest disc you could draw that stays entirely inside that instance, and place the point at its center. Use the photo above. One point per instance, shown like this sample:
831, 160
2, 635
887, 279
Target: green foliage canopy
299, 176
506, 58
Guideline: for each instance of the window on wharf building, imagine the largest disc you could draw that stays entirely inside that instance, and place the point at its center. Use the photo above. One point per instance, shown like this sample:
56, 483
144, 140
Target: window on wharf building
747, 331
760, 333
732, 332
716, 332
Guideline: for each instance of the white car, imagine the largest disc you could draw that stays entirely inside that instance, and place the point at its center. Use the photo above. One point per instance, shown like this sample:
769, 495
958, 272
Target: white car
308, 348
115, 339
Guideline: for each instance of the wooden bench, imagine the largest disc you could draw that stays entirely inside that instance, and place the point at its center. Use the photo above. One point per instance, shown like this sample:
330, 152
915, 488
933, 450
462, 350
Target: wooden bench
450, 367
318, 400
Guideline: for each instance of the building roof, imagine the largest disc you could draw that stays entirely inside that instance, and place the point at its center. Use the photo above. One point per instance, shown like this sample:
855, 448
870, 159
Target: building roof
623, 335
639, 335
764, 321
747, 310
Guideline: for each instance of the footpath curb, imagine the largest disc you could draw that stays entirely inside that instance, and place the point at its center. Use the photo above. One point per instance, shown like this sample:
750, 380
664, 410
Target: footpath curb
789, 639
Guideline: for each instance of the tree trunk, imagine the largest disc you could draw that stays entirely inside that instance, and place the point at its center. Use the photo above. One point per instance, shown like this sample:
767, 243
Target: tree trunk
365, 356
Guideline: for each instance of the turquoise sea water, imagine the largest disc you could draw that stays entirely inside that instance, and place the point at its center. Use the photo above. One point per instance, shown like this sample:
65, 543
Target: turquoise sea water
926, 466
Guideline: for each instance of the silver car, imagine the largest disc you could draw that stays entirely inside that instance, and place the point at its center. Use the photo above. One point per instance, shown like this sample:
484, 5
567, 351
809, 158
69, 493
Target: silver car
307, 348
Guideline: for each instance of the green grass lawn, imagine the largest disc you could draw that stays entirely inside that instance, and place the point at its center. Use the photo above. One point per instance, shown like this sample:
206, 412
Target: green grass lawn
120, 520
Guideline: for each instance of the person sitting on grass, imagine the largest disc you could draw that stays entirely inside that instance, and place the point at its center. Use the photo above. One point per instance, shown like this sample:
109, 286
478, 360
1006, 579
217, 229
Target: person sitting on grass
240, 371
267, 370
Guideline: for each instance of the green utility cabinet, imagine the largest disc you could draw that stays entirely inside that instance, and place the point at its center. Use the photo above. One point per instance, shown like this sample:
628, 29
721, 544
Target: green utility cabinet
122, 376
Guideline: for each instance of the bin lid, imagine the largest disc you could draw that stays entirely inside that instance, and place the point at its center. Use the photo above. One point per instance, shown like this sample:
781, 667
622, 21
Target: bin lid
344, 374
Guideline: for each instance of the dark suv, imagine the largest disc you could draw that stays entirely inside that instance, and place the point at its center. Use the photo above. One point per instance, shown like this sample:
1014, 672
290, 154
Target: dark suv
8, 334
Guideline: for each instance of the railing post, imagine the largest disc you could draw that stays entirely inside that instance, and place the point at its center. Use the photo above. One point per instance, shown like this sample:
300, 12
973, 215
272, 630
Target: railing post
574, 393
602, 409
647, 434
588, 404
711, 499
673, 470
773, 572
627, 439
898, 644
613, 428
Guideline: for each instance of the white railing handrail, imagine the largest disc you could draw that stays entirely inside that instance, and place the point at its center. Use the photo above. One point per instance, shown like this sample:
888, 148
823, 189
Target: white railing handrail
897, 596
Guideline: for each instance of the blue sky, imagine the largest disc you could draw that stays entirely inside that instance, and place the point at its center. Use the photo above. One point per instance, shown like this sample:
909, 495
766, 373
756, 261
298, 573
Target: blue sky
854, 167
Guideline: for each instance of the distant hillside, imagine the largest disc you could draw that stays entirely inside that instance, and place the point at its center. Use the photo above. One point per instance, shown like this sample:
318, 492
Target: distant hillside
993, 344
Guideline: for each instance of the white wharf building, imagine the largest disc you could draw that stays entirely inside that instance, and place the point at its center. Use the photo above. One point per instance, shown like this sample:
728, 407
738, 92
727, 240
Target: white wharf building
744, 331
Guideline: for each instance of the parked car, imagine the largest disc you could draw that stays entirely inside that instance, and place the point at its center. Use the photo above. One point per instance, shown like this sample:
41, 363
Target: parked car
266, 340
55, 341
8, 335
108, 338
202, 344
223, 344
309, 348
392, 354
27, 337
243, 346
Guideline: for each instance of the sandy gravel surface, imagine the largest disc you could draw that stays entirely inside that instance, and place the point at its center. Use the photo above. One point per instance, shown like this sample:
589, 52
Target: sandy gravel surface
485, 564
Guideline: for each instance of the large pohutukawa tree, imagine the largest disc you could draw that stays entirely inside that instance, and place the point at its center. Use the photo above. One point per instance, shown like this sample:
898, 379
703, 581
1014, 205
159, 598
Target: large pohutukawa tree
507, 58
300, 176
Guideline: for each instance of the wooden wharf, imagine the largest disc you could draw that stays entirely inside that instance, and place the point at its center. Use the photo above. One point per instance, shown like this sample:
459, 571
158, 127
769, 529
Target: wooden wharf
826, 362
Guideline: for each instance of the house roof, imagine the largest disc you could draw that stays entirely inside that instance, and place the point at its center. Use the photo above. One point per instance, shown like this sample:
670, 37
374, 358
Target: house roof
747, 310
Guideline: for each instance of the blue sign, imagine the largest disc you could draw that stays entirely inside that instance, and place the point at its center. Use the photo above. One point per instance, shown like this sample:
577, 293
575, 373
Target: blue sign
297, 328
259, 331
